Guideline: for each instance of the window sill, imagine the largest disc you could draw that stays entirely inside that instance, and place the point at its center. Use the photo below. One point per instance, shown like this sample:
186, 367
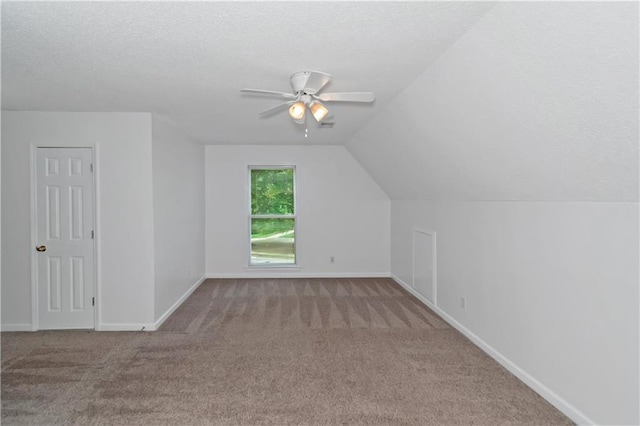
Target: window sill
262, 268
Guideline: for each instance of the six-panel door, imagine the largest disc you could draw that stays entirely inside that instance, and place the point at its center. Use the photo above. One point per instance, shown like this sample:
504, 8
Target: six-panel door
64, 235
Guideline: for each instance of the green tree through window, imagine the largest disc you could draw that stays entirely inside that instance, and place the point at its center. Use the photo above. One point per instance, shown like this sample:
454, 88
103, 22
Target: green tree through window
272, 215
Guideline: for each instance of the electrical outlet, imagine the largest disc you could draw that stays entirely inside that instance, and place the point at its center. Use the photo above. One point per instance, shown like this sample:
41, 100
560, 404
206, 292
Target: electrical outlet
332, 259
463, 303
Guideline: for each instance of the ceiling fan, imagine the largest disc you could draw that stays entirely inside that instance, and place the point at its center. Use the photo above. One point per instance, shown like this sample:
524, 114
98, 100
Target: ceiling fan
306, 85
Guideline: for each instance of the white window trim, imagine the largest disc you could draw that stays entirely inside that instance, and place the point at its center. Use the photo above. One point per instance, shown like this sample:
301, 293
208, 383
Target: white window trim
294, 216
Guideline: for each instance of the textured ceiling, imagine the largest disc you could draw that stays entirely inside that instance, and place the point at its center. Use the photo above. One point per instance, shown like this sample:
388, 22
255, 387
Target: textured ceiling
188, 61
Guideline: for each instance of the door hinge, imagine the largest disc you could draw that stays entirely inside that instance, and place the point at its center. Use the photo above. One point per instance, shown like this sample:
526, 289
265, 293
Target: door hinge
91, 167
93, 301
92, 235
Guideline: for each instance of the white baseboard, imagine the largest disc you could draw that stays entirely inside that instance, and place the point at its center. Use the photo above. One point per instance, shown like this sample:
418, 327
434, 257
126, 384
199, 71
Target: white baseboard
125, 327
151, 326
122, 326
179, 302
16, 327
557, 401
262, 273
101, 327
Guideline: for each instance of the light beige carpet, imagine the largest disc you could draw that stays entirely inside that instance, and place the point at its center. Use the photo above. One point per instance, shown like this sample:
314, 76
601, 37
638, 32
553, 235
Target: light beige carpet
304, 351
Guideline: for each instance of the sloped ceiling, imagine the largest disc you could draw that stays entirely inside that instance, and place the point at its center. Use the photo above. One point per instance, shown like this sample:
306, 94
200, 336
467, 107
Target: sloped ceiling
187, 61
537, 101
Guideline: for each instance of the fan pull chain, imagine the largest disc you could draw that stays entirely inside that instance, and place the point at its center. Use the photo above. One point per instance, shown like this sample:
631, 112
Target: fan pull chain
306, 132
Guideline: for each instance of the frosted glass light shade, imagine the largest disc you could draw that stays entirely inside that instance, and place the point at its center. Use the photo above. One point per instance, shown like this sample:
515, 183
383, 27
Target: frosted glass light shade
297, 111
319, 111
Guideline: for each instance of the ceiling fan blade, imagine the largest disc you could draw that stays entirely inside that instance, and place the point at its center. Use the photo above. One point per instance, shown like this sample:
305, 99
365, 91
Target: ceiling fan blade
347, 97
277, 108
269, 92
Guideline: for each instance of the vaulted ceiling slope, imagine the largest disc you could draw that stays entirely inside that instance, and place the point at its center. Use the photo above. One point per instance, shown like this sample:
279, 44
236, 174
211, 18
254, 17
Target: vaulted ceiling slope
187, 61
537, 101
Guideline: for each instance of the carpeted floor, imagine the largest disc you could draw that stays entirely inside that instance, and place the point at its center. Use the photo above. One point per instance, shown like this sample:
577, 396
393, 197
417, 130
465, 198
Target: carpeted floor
303, 351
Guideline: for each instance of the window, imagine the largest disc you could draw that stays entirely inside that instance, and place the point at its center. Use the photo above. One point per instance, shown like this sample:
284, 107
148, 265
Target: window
272, 218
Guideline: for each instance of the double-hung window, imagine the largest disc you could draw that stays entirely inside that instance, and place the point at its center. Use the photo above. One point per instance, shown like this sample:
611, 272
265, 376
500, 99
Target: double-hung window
272, 216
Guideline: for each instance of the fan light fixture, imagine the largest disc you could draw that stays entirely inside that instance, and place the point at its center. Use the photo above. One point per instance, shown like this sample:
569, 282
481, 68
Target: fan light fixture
318, 110
297, 111
306, 86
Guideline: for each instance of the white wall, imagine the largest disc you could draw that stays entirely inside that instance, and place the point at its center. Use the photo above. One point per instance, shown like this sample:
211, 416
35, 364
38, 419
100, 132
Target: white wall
537, 101
530, 122
341, 212
125, 210
553, 287
178, 207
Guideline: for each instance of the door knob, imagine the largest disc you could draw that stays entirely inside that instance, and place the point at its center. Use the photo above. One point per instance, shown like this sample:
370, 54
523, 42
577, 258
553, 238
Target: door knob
41, 248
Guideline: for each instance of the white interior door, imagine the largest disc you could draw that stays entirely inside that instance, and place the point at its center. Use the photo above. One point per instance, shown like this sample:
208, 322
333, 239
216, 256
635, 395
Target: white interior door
64, 235
424, 264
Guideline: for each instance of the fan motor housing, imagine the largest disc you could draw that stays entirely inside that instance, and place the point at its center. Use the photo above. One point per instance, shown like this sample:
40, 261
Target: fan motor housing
309, 82
298, 80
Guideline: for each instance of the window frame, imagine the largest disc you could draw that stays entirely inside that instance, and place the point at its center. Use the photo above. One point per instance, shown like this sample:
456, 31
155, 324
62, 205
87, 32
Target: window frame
293, 216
